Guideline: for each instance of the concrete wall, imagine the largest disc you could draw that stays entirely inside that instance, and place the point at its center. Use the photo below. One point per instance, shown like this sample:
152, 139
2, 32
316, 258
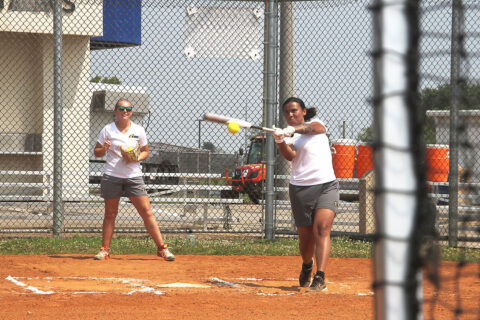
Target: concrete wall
20, 80
21, 100
20, 16
26, 98
76, 93
27, 86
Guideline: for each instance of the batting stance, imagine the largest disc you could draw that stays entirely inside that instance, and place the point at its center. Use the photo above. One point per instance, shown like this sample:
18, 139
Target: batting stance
313, 189
125, 144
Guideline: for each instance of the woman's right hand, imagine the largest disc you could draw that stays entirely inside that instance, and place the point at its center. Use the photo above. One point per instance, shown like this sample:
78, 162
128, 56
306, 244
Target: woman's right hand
100, 150
107, 145
278, 135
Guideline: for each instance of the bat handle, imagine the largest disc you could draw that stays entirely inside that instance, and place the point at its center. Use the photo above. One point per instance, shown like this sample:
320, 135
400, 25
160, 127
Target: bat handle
262, 128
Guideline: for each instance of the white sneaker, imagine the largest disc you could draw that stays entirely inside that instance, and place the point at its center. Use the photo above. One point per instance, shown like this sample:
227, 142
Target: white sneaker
165, 254
103, 254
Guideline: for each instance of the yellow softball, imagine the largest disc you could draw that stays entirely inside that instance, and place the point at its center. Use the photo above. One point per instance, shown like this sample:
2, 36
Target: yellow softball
233, 127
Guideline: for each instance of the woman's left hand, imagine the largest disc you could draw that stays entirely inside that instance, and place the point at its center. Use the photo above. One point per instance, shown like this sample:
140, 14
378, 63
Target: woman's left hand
289, 131
126, 157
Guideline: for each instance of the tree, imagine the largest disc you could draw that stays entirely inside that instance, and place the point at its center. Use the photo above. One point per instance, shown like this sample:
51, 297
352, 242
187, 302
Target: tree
111, 80
366, 134
209, 146
437, 99
96, 79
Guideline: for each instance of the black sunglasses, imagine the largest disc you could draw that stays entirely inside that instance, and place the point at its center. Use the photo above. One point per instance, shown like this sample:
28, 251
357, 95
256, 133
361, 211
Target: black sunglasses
125, 108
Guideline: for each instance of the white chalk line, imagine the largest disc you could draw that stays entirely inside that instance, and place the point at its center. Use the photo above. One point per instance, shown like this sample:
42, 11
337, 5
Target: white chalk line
128, 281
136, 283
221, 282
274, 294
182, 285
29, 288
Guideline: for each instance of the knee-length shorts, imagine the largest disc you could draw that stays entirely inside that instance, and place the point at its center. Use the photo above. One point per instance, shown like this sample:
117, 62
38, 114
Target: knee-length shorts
305, 199
114, 187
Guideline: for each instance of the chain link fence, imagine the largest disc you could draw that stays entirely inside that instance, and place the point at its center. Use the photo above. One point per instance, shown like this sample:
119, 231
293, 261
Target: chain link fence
449, 55
175, 61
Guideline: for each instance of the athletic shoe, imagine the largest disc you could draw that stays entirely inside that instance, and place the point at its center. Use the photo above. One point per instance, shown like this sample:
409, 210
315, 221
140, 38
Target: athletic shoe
165, 254
318, 283
305, 275
103, 254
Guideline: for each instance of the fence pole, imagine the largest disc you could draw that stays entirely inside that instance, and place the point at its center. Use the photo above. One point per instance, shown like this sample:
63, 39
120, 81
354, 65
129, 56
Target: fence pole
58, 223
286, 81
396, 274
286, 85
271, 46
455, 81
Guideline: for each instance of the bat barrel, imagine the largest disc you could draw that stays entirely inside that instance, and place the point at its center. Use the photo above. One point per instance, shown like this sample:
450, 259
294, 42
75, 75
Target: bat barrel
216, 118
226, 120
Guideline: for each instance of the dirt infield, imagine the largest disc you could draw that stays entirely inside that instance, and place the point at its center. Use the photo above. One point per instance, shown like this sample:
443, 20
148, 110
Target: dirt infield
193, 287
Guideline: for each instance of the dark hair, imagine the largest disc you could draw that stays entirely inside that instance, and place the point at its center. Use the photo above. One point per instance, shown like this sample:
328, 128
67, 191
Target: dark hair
311, 112
120, 100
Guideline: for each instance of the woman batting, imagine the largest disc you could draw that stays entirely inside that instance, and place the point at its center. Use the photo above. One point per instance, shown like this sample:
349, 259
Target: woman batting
313, 188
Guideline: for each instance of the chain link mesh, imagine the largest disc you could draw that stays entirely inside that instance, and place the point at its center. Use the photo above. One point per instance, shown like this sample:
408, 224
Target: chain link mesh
175, 61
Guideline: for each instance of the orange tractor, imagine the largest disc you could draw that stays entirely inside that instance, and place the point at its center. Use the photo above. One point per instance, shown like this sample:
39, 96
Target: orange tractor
248, 178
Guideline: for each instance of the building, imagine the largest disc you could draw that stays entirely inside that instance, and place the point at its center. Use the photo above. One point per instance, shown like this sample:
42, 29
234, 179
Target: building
27, 84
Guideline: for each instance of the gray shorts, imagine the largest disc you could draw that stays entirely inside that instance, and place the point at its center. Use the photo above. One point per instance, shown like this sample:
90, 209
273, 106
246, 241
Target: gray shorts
305, 199
114, 187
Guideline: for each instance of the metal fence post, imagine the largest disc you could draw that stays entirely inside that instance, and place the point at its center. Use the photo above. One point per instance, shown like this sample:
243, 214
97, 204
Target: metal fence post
58, 224
271, 46
286, 84
455, 83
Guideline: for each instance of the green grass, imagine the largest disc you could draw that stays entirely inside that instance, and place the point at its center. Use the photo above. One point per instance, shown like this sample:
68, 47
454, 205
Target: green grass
202, 245
213, 245
456, 254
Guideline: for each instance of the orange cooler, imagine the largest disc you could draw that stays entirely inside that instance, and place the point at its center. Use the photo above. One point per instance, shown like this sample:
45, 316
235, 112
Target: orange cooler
343, 158
437, 162
364, 158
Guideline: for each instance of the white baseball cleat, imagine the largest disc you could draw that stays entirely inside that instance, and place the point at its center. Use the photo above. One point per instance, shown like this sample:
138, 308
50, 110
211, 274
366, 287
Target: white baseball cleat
165, 254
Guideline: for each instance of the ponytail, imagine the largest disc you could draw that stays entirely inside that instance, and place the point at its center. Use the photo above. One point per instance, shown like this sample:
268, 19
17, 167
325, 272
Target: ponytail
311, 112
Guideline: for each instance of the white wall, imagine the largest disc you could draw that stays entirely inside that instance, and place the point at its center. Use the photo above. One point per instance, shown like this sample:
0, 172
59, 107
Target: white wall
26, 81
26, 100
20, 82
76, 104
86, 19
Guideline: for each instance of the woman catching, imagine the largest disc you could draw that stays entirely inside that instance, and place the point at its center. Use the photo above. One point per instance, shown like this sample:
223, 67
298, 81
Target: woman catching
123, 177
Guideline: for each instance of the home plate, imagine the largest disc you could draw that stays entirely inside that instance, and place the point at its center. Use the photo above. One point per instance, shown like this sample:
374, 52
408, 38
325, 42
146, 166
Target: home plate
182, 285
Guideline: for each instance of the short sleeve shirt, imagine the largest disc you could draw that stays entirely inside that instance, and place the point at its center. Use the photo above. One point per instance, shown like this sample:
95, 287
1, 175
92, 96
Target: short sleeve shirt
313, 161
115, 165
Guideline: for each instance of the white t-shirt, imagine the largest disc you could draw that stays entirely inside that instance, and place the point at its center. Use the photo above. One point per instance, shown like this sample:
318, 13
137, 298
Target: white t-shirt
313, 161
115, 165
